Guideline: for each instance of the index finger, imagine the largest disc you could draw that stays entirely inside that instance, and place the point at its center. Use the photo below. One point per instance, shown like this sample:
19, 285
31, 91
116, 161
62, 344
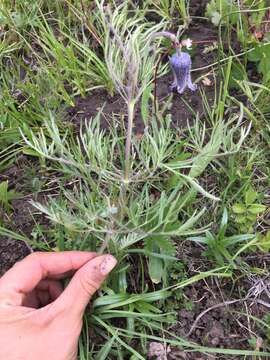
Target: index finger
24, 276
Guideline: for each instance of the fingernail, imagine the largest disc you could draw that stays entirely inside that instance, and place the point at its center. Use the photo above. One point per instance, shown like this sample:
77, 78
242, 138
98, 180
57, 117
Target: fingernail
107, 264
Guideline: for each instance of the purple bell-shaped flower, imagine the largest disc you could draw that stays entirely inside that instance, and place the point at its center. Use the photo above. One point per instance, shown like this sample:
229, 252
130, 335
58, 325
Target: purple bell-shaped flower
181, 66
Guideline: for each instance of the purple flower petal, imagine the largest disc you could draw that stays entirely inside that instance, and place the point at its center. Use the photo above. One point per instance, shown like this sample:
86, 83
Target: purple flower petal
181, 65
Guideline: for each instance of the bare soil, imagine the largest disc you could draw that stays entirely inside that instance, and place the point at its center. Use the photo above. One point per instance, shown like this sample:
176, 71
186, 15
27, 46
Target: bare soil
224, 310
11, 251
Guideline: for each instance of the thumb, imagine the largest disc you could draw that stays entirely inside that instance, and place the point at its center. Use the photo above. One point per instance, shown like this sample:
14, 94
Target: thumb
86, 281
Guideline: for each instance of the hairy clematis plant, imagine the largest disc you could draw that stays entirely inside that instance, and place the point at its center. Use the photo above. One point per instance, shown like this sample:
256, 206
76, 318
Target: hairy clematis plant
181, 66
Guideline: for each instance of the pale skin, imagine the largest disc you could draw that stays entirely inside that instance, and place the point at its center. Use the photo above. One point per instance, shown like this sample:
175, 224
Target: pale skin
40, 320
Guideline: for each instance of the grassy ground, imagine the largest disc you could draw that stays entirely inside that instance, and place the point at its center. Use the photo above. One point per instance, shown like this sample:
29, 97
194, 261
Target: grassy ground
97, 154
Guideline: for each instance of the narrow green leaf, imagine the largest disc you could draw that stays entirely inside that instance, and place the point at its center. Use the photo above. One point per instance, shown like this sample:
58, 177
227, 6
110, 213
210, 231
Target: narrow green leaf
145, 104
106, 348
156, 268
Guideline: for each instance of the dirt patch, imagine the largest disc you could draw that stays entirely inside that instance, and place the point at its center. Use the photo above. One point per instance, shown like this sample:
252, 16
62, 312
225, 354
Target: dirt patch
18, 219
20, 177
220, 323
221, 312
197, 8
11, 251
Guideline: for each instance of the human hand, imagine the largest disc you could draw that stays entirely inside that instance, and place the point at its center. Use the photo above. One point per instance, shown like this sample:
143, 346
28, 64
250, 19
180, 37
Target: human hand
40, 321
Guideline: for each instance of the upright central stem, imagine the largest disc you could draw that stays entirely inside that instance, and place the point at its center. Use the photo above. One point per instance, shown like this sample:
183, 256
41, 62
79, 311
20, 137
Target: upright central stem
131, 106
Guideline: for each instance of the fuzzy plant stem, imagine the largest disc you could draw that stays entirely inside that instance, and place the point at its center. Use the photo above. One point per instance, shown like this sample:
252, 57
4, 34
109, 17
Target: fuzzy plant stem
130, 100
131, 107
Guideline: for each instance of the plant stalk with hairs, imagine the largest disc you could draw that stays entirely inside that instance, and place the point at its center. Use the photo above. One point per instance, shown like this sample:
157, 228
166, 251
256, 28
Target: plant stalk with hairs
131, 57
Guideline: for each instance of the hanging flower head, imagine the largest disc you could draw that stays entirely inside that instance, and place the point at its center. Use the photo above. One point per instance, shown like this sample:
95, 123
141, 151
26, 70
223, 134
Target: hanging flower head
181, 66
180, 63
